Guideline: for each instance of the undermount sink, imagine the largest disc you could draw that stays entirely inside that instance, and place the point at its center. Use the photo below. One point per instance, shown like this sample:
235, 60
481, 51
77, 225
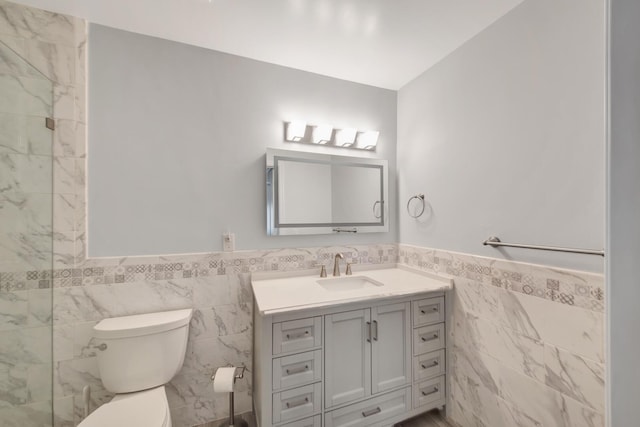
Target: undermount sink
348, 283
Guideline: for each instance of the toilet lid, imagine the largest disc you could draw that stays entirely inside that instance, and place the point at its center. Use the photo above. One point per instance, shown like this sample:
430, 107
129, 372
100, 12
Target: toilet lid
147, 408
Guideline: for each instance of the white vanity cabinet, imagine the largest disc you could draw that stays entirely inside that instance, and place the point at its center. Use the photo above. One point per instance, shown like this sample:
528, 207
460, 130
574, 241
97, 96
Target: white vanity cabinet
368, 363
366, 352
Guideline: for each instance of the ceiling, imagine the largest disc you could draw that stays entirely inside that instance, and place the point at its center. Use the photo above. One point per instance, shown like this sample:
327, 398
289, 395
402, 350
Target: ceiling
384, 43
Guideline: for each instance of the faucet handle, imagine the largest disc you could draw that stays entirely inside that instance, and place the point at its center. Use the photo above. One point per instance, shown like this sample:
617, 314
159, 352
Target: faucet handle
323, 270
348, 271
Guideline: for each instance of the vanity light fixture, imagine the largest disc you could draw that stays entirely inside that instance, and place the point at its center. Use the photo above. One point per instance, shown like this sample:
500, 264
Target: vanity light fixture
322, 134
346, 137
296, 131
368, 140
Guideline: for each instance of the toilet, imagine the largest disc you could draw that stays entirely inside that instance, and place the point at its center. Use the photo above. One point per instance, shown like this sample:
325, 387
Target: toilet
137, 356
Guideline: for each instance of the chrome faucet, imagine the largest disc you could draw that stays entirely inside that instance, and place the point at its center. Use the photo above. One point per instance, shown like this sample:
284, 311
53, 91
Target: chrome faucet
336, 264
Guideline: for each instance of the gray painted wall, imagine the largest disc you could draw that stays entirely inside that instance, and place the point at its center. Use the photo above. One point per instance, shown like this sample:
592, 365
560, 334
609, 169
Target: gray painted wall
623, 233
506, 137
177, 141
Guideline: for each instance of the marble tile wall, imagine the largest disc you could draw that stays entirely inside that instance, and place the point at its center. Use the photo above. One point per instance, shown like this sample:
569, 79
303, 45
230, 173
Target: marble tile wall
526, 341
41, 67
216, 286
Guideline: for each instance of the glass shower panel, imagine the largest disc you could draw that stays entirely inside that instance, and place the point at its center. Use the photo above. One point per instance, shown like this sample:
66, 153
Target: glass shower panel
26, 240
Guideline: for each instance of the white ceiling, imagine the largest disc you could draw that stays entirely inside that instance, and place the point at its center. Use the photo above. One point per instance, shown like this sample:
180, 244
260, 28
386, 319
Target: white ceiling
384, 43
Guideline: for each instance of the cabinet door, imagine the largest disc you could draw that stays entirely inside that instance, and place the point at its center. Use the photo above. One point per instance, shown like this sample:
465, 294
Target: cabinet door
347, 356
391, 346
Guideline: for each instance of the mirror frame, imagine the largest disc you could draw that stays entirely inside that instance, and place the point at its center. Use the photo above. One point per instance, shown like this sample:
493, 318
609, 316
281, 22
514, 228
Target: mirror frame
274, 228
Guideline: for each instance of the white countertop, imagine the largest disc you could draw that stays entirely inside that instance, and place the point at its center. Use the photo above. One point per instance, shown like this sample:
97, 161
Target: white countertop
280, 292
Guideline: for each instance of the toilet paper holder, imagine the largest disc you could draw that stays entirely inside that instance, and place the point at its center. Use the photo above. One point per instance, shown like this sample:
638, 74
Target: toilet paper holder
237, 376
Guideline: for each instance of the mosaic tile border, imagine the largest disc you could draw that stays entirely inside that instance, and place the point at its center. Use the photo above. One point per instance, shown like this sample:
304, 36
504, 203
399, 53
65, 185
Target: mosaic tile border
569, 287
140, 269
574, 288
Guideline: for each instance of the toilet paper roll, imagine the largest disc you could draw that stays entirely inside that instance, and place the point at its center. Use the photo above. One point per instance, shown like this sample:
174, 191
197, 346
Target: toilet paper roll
224, 380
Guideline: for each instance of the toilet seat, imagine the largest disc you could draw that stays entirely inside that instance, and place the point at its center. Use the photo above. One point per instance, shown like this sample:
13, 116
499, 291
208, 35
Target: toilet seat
148, 408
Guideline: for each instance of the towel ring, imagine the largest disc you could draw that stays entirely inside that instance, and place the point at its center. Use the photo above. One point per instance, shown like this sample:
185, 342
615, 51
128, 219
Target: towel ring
418, 197
374, 209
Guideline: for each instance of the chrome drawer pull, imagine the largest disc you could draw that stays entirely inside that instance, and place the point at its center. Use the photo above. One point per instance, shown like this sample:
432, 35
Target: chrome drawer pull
434, 391
297, 370
296, 336
434, 364
434, 337
375, 335
300, 402
371, 412
368, 331
434, 309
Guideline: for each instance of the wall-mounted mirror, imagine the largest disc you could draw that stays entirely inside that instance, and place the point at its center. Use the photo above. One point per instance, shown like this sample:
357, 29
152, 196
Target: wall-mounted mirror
309, 193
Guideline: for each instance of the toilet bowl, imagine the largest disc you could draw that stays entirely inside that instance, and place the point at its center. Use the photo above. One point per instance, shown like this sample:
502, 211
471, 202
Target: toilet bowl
147, 408
137, 356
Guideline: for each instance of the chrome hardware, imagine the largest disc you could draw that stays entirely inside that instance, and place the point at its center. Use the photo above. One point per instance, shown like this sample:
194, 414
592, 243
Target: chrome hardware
368, 331
241, 374
375, 335
348, 270
237, 376
371, 412
297, 370
434, 337
434, 364
345, 230
297, 336
101, 347
336, 264
374, 209
419, 197
323, 270
434, 309
434, 391
494, 242
298, 403
86, 401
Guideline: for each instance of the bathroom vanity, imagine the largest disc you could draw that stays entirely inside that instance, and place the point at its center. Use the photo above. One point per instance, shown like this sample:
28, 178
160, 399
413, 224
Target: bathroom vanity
360, 350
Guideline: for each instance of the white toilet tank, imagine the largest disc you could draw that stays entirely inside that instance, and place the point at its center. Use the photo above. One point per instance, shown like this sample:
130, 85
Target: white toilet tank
142, 351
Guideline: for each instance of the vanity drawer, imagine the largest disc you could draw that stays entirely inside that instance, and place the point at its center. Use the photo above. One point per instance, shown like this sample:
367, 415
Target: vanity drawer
429, 392
297, 335
371, 411
428, 365
428, 338
296, 370
427, 311
296, 403
307, 422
